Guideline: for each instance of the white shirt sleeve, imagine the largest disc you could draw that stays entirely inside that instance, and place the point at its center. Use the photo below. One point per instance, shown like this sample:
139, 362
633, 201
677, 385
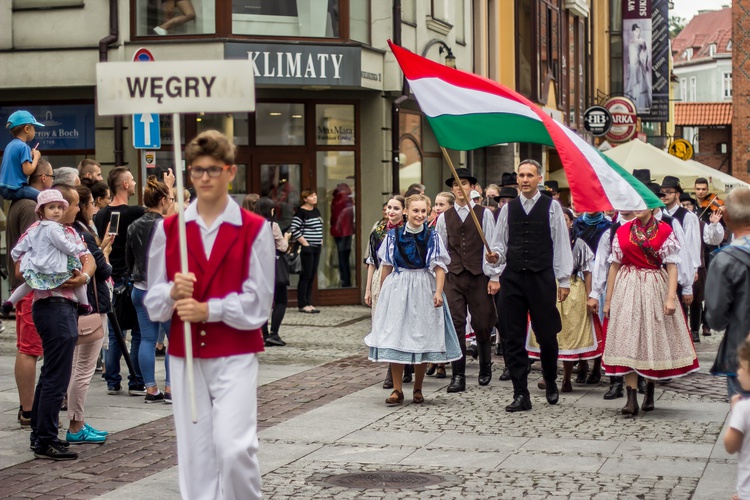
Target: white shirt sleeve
563, 256
601, 266
685, 266
713, 234
441, 229
615, 256
501, 234
488, 226
440, 258
157, 302
693, 238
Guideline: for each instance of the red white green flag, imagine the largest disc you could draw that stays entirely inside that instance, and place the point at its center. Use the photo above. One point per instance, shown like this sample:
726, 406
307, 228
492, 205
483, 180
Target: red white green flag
467, 111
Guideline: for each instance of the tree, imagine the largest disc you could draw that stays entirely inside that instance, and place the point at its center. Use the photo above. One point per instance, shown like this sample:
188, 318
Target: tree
676, 25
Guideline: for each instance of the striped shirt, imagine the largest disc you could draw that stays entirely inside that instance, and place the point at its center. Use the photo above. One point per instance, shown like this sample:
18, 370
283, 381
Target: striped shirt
308, 224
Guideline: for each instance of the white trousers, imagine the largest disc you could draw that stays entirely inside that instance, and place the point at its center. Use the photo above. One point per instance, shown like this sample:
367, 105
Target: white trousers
218, 456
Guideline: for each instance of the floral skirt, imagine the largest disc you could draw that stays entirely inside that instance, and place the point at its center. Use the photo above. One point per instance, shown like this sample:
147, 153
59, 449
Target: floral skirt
640, 337
581, 335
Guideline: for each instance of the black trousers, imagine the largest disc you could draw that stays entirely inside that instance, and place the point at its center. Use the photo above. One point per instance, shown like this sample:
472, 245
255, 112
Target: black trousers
56, 320
525, 294
310, 257
280, 299
468, 291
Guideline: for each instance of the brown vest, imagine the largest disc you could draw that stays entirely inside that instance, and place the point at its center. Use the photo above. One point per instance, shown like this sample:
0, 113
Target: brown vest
464, 242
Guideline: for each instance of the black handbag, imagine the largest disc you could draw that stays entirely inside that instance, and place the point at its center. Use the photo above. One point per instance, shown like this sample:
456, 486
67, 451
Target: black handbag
123, 306
282, 269
294, 260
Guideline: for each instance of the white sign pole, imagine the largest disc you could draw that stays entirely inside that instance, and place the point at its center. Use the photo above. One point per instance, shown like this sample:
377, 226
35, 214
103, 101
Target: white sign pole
183, 258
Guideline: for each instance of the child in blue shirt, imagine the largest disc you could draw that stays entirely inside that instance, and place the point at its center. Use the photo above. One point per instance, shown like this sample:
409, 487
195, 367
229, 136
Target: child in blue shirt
19, 160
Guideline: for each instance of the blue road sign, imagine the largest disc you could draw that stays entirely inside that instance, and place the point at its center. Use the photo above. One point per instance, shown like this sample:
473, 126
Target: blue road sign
146, 131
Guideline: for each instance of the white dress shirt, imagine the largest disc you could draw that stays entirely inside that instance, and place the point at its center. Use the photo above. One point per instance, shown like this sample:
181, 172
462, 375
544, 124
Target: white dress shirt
685, 266
713, 234
562, 261
692, 227
488, 226
244, 311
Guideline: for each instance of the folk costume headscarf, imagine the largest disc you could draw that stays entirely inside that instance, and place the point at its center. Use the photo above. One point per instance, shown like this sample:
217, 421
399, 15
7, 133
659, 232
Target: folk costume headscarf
642, 235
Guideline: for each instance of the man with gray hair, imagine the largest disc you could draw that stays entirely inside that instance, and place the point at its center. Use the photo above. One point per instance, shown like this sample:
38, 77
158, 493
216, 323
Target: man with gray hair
67, 176
727, 294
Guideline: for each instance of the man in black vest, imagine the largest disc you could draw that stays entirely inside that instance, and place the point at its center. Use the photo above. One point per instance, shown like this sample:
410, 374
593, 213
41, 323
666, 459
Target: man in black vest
534, 244
472, 277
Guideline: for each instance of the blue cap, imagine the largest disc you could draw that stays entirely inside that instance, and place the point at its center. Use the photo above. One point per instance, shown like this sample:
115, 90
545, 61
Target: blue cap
23, 118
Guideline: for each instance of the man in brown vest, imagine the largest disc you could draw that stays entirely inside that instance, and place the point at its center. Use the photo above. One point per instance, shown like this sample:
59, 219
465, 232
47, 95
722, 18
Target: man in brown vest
472, 277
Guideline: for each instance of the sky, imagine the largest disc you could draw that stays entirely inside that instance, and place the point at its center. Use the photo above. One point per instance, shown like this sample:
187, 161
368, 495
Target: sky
688, 8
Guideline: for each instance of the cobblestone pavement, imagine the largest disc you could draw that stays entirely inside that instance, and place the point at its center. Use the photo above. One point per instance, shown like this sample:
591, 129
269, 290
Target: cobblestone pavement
321, 414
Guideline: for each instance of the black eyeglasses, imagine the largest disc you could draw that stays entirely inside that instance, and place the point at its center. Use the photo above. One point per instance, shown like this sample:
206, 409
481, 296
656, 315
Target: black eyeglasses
197, 172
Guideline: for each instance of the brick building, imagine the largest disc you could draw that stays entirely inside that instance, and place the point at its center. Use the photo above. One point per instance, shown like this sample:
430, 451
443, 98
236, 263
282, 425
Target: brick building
741, 114
708, 126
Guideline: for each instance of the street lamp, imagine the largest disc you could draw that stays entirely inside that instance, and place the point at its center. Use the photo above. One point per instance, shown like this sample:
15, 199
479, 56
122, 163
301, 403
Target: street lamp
450, 59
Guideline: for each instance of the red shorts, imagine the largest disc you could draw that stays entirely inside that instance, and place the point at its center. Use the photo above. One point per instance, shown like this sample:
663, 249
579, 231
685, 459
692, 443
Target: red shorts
27, 338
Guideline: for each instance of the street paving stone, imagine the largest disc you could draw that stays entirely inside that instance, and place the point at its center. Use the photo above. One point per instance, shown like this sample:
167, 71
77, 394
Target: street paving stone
580, 449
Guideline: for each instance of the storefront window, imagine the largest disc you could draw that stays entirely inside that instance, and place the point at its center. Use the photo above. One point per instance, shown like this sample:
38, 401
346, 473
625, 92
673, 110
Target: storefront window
281, 183
280, 124
336, 202
334, 124
232, 125
175, 17
294, 18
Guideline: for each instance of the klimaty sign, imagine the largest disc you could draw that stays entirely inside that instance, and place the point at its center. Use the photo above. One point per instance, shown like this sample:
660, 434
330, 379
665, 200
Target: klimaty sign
124, 88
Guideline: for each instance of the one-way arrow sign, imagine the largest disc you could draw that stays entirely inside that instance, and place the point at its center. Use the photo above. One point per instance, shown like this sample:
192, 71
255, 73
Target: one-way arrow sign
146, 132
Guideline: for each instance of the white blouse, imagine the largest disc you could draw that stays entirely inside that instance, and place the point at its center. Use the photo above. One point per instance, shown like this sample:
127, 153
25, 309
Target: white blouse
46, 246
439, 257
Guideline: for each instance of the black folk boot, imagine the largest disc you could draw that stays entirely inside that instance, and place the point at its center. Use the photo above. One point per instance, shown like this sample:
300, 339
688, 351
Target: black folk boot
485, 362
631, 407
615, 388
648, 401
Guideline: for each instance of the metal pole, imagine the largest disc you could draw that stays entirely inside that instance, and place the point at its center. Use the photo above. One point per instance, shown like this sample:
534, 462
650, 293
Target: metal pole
183, 259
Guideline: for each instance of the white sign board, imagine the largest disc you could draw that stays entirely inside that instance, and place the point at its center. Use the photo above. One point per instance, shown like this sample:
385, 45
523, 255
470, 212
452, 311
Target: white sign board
124, 88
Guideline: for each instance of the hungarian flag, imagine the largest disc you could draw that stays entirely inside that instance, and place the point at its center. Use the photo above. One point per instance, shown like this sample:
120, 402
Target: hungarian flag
467, 111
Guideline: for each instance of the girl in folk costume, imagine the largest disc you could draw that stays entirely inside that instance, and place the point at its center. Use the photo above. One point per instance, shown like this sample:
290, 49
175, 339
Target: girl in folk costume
647, 333
394, 217
412, 324
581, 334
443, 201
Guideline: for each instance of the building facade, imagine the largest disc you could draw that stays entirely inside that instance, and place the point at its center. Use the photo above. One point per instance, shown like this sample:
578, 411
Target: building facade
325, 87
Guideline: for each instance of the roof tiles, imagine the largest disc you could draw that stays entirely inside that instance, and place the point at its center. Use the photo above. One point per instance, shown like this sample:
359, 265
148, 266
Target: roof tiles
703, 113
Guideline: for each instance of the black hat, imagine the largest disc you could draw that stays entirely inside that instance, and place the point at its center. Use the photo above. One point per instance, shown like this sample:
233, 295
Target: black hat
643, 175
506, 192
546, 193
509, 179
671, 182
552, 186
686, 197
655, 188
463, 173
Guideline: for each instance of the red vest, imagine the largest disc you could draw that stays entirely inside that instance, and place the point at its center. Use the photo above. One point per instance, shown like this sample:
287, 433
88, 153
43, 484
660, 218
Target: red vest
223, 273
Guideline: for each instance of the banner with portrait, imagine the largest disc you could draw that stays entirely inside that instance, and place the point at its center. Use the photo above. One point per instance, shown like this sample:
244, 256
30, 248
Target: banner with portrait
645, 57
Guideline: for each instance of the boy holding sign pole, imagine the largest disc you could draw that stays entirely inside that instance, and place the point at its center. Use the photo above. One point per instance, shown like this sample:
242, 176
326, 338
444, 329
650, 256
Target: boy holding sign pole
224, 299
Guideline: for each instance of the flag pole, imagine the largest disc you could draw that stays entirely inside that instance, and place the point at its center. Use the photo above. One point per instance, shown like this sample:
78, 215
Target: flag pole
177, 141
466, 197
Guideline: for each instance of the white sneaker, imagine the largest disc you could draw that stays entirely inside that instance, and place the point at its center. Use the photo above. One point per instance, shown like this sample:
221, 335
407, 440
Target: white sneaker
160, 31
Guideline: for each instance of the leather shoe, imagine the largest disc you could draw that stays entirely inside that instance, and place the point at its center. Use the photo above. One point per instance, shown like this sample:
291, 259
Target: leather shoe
641, 385
431, 369
696, 337
505, 376
274, 340
472, 351
615, 391
458, 383
553, 395
520, 403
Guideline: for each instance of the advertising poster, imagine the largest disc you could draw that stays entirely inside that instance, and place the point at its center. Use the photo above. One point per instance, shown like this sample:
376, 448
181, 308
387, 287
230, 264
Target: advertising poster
645, 38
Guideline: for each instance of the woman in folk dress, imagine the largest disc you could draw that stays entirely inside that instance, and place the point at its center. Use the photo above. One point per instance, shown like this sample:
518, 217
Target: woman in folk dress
411, 324
647, 333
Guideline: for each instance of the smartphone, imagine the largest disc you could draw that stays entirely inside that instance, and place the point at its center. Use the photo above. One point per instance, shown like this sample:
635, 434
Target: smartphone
114, 222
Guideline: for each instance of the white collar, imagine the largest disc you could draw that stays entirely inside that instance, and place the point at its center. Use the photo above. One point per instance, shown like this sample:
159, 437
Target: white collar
471, 204
232, 214
533, 199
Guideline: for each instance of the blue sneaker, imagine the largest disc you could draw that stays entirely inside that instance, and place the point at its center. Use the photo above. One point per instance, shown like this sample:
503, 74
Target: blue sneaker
95, 431
84, 436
